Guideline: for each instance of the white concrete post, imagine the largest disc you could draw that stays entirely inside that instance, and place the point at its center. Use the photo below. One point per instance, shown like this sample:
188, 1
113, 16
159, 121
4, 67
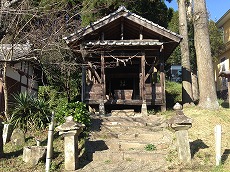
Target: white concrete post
218, 144
49, 153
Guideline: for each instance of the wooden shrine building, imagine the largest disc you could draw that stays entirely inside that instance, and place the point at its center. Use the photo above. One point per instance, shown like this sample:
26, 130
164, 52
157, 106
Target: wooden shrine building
123, 59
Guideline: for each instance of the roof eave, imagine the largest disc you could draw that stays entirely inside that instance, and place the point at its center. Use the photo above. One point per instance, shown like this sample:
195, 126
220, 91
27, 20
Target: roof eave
223, 19
113, 16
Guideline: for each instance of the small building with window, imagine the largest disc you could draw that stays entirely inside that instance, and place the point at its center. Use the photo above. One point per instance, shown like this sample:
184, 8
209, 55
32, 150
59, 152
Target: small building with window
222, 63
22, 71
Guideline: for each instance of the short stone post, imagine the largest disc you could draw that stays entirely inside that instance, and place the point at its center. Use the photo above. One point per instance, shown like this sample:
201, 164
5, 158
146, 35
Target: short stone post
144, 111
181, 123
1, 140
101, 108
70, 130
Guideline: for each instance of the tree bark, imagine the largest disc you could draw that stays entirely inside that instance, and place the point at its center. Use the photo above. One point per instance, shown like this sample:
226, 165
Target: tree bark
208, 97
187, 96
195, 89
5, 91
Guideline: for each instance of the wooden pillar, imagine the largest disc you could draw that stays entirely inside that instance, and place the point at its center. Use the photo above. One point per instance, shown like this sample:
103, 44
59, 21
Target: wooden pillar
122, 29
228, 91
83, 83
144, 106
103, 91
83, 79
143, 75
162, 81
141, 80
102, 36
1, 140
141, 34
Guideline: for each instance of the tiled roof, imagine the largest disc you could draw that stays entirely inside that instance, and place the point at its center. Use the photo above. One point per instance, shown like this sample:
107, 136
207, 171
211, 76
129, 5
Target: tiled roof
120, 9
11, 52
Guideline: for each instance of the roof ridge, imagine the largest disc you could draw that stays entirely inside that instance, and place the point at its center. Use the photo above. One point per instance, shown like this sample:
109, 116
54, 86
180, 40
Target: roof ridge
120, 9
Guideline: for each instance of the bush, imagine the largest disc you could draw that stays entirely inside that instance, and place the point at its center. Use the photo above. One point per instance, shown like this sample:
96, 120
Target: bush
29, 112
77, 109
173, 93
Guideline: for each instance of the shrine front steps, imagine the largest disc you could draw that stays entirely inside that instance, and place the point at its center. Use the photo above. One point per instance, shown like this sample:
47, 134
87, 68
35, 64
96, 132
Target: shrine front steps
127, 138
118, 156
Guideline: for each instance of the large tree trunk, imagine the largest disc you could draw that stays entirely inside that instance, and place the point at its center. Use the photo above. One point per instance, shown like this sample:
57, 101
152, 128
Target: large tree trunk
5, 90
208, 97
187, 96
195, 89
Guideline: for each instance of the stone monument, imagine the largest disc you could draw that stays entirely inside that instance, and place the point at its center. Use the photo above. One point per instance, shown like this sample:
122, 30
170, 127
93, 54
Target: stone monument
70, 130
181, 123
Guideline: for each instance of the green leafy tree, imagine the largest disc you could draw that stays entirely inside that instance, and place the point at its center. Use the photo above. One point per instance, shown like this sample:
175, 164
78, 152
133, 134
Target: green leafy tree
155, 11
173, 25
216, 40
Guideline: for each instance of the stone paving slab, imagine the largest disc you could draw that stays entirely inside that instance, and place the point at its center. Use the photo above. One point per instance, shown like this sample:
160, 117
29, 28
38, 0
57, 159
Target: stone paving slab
123, 166
132, 155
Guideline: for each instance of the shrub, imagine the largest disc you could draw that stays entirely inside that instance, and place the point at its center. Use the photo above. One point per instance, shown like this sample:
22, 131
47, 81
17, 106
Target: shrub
173, 93
77, 109
29, 112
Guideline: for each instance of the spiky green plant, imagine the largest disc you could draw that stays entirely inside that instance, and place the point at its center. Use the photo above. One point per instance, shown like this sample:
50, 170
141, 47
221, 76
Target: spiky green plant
29, 112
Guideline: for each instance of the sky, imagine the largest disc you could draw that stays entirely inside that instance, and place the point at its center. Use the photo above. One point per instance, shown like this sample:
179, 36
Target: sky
216, 8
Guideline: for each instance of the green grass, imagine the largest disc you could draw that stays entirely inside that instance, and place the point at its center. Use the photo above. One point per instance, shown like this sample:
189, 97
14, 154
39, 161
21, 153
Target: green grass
173, 93
13, 155
202, 139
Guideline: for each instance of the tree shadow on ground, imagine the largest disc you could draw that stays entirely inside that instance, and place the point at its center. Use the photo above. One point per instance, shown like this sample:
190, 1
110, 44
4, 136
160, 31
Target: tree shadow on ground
225, 155
90, 148
14, 154
18, 152
95, 124
196, 145
225, 104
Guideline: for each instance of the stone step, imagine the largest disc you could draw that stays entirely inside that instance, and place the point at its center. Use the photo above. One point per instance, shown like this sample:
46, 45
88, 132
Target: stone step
130, 129
125, 112
124, 135
118, 145
150, 156
147, 136
114, 144
131, 121
124, 123
150, 118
